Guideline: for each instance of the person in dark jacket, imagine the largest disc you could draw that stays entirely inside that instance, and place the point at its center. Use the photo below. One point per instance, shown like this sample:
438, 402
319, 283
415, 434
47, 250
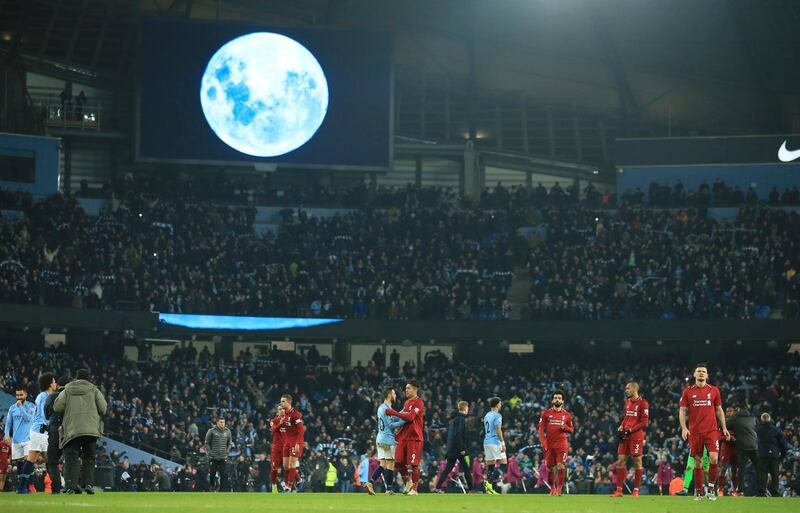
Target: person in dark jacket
161, 481
81, 405
742, 426
457, 447
772, 448
218, 442
54, 422
345, 473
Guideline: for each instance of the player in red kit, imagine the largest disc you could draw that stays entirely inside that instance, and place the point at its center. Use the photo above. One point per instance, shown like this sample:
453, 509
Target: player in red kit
701, 403
554, 424
278, 429
410, 438
5, 456
631, 437
293, 440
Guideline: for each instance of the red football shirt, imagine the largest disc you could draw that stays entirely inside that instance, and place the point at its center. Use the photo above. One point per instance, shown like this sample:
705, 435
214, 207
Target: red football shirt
5, 452
278, 431
414, 413
294, 428
730, 444
637, 415
702, 403
553, 428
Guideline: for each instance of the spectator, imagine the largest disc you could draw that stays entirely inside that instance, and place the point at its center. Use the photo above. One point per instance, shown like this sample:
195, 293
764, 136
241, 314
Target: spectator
664, 474
161, 481
345, 472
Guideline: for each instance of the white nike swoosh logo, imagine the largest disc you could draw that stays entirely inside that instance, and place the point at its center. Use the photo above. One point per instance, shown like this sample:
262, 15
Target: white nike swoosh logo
787, 156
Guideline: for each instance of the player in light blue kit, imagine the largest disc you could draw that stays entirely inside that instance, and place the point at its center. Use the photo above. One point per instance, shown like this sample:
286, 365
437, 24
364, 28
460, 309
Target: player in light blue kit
385, 443
494, 445
38, 449
18, 432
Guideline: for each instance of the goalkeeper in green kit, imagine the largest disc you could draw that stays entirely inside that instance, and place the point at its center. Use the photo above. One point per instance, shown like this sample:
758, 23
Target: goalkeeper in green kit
688, 474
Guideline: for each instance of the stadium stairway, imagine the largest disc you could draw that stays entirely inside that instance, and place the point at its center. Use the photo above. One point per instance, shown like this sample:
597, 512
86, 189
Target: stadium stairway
518, 291
134, 455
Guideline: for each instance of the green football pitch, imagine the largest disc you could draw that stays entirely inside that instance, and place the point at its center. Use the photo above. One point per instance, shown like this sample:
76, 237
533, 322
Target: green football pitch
323, 502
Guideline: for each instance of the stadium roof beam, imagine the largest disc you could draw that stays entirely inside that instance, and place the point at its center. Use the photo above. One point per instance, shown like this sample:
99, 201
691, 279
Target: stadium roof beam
173, 8
759, 74
100, 40
50, 24
76, 32
628, 105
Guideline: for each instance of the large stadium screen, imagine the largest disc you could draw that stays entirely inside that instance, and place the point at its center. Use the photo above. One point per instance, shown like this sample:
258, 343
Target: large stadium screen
217, 92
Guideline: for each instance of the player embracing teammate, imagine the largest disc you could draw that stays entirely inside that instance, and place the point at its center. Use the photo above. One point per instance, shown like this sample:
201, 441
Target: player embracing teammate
293, 440
701, 405
278, 430
410, 437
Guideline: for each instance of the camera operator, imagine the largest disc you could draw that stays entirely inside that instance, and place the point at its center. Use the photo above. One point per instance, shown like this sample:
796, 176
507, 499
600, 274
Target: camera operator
54, 423
81, 404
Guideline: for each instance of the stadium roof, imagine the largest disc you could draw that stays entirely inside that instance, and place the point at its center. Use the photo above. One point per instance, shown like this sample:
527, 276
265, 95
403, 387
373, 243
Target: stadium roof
715, 66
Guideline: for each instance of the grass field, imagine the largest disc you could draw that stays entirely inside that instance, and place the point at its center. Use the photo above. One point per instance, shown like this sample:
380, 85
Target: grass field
322, 502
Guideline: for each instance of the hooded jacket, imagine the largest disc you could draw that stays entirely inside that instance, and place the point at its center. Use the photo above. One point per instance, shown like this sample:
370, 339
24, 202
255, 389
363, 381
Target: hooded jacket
81, 405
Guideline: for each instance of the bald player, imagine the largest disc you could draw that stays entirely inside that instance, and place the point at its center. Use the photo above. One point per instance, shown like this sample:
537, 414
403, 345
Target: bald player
631, 437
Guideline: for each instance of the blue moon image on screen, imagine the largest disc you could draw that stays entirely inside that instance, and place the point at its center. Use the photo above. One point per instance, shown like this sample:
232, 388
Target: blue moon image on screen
264, 94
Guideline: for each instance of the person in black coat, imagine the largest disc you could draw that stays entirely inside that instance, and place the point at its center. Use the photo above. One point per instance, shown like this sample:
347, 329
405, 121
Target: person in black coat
54, 422
345, 473
742, 426
772, 448
457, 447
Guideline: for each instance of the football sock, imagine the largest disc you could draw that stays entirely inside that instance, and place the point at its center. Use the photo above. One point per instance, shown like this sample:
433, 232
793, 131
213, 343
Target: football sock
273, 475
388, 478
502, 471
490, 473
713, 469
25, 474
415, 476
735, 482
699, 477
291, 474
621, 473
377, 474
403, 471
562, 473
637, 479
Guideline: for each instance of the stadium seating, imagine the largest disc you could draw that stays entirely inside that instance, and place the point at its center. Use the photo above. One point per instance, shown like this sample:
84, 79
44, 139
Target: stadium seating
426, 255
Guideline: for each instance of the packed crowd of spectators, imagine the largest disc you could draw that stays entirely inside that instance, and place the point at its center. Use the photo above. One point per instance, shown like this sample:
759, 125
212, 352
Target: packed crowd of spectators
718, 194
426, 254
155, 253
649, 263
166, 407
